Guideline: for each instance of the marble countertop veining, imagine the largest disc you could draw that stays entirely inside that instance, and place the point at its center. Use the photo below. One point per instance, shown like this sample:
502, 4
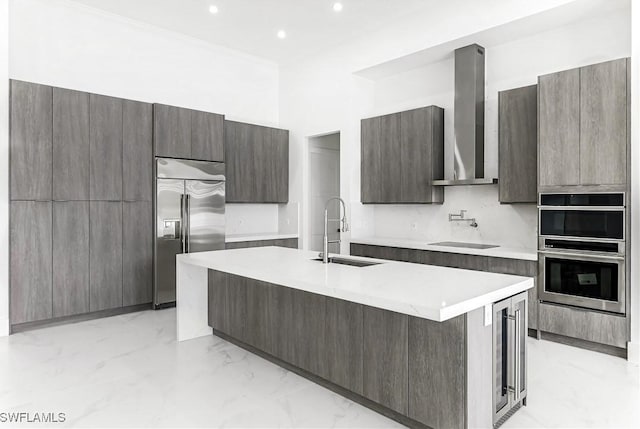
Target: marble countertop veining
237, 238
426, 291
496, 252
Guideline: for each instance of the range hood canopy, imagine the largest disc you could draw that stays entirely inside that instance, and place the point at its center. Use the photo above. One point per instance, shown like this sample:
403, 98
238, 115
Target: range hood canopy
468, 144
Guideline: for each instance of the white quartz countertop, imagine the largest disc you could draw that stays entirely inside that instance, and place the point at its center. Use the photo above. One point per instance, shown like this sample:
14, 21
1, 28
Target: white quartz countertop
496, 252
237, 238
426, 291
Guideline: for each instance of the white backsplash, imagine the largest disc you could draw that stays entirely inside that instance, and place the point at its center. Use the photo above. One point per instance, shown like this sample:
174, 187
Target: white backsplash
509, 225
251, 219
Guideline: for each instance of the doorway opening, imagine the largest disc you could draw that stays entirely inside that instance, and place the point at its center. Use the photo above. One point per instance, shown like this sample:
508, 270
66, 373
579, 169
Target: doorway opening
324, 183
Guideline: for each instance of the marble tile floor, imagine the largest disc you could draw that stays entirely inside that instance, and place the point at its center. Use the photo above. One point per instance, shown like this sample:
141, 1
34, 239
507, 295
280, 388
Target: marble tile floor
128, 371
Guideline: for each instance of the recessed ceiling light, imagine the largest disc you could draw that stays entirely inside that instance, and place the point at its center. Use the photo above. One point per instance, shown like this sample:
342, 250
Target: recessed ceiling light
337, 6
281, 34
213, 9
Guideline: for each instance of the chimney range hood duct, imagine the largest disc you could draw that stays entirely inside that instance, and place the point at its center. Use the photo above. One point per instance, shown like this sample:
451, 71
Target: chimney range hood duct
468, 144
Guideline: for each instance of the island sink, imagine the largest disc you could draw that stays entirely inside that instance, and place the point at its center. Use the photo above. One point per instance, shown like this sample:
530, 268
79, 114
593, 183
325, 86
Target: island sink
462, 244
351, 262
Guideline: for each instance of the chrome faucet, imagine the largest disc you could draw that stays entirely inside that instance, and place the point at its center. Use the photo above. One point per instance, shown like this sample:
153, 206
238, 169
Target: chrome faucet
457, 217
345, 227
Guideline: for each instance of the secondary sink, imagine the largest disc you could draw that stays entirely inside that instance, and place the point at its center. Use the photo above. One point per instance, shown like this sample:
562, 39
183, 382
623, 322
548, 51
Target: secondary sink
351, 262
461, 244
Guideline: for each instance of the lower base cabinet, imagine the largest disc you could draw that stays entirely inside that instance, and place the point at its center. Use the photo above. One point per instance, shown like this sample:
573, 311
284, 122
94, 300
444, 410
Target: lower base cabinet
415, 369
281, 242
386, 363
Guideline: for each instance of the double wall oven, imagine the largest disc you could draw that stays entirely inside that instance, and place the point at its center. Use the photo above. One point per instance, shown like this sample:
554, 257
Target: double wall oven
582, 250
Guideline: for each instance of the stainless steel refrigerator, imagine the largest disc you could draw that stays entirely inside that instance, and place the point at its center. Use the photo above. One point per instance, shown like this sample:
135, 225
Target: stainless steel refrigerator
189, 217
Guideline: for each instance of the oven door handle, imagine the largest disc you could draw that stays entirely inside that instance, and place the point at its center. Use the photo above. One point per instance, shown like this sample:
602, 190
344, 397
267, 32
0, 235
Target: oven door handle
582, 256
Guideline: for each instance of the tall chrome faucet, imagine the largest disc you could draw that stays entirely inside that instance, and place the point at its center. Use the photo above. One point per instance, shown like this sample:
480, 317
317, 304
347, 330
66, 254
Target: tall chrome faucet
345, 227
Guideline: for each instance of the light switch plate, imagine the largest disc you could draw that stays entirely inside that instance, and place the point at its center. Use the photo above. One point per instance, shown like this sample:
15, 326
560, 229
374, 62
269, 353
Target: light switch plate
488, 314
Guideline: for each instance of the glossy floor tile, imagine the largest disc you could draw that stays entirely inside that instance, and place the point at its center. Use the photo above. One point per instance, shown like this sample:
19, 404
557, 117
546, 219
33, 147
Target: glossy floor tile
128, 371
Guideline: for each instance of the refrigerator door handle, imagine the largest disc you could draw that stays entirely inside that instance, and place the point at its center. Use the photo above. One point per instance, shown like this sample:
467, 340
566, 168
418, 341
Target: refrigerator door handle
188, 226
182, 218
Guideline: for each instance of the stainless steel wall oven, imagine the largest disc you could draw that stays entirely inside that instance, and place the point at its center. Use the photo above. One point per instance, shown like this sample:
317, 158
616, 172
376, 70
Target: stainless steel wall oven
582, 250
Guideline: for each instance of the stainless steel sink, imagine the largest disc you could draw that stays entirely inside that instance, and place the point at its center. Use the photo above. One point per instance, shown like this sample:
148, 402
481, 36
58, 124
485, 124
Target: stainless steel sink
351, 262
462, 244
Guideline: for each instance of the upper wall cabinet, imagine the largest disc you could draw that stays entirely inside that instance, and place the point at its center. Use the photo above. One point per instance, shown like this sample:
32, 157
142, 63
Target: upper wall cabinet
518, 144
402, 153
583, 129
137, 150
188, 134
30, 141
257, 163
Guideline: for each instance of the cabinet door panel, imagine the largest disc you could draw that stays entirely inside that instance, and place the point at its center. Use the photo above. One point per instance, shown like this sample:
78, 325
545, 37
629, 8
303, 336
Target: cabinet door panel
518, 145
70, 145
30, 141
236, 306
415, 157
437, 367
105, 263
207, 136
386, 354
280, 155
172, 131
280, 323
217, 294
308, 317
30, 261
70, 258
559, 128
343, 348
105, 119
137, 248
390, 166
257, 330
371, 153
603, 124
240, 168
137, 149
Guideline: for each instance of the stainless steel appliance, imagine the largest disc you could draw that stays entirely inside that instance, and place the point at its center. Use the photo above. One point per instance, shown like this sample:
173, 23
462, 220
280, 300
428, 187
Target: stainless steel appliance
582, 250
510, 326
189, 217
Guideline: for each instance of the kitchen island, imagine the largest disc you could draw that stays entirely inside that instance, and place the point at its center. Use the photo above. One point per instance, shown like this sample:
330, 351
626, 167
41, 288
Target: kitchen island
417, 343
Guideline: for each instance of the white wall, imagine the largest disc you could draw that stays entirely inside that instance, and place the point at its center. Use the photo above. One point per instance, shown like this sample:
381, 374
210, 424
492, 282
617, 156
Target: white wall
335, 99
4, 168
61, 43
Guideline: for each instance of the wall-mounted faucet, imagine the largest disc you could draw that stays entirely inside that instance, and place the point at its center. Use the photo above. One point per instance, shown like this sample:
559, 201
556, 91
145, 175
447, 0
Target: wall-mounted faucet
343, 220
457, 217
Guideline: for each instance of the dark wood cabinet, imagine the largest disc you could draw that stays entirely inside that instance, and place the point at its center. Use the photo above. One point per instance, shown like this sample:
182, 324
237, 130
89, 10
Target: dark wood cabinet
105, 148
603, 123
70, 258
257, 329
257, 163
401, 154
207, 136
343, 349
308, 312
236, 308
30, 261
583, 126
385, 369
137, 253
137, 151
218, 301
559, 128
188, 134
283, 242
437, 370
70, 145
171, 131
105, 255
518, 145
30, 141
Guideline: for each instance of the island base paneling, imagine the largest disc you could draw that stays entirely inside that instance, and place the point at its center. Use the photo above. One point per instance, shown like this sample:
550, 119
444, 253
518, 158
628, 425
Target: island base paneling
413, 370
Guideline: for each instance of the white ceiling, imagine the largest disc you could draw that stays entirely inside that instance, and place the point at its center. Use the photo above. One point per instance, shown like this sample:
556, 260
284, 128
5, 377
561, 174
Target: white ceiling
250, 26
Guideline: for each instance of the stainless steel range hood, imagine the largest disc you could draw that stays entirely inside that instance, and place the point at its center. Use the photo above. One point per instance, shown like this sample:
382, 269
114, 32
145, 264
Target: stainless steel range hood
468, 144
